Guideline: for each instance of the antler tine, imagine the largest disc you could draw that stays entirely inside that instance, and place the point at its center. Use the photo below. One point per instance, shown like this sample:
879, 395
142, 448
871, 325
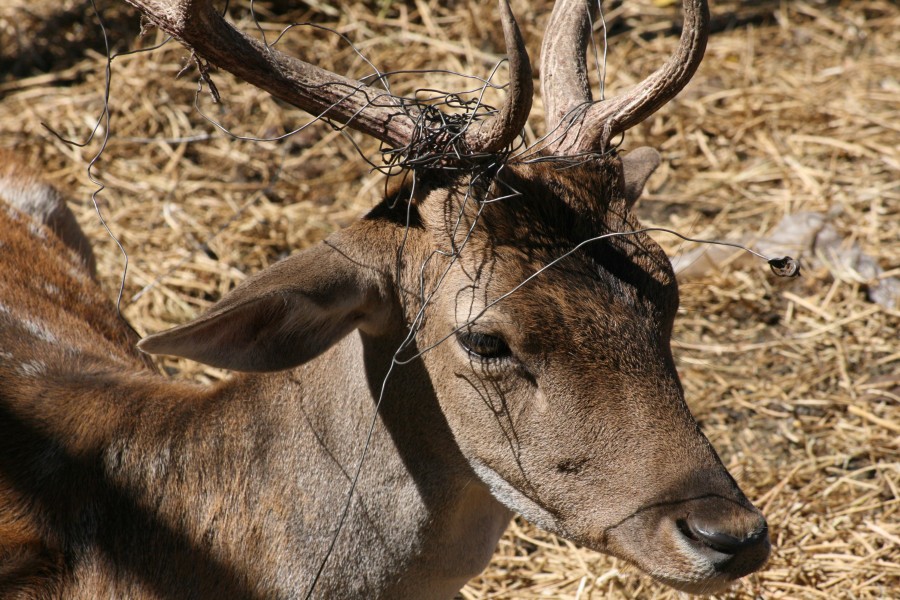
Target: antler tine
498, 132
197, 25
593, 127
564, 81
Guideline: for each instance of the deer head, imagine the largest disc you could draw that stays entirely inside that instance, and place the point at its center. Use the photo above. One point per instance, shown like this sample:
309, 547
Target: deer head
541, 312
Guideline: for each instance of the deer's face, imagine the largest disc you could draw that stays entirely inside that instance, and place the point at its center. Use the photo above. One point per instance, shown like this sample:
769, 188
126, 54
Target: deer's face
561, 389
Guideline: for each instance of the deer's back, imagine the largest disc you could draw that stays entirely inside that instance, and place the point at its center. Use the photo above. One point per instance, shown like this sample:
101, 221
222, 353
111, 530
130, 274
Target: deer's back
57, 331
51, 308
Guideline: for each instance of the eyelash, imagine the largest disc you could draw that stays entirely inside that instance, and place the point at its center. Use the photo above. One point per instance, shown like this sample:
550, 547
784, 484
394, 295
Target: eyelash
483, 346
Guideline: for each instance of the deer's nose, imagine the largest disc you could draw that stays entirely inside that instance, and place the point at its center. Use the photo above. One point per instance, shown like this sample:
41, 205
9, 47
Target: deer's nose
743, 541
722, 541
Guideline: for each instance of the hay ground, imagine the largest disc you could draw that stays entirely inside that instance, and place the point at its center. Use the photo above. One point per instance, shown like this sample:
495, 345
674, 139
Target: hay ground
796, 382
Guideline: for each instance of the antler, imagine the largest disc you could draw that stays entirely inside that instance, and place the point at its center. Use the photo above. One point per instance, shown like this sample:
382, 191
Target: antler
197, 25
577, 124
503, 128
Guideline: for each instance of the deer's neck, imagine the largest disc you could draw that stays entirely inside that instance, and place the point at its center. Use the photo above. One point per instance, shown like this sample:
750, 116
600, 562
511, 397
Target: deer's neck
248, 481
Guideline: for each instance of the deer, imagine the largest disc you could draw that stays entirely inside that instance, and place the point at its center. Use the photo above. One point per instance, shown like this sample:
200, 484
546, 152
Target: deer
494, 337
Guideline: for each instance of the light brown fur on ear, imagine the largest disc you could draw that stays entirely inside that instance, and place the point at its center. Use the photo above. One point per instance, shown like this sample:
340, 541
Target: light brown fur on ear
638, 165
286, 315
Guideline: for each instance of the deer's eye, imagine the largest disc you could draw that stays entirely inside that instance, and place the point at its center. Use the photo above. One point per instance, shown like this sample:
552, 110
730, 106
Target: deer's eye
483, 346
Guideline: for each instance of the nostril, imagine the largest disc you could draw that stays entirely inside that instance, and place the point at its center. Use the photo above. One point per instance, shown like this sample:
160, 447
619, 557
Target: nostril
685, 530
721, 541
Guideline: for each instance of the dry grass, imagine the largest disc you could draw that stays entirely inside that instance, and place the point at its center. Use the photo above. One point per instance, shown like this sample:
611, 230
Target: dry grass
796, 382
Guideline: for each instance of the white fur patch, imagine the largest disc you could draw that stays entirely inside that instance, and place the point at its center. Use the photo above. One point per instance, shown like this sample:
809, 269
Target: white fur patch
40, 331
30, 196
512, 498
32, 368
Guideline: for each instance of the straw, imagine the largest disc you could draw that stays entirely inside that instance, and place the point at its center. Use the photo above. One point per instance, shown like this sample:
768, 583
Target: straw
796, 382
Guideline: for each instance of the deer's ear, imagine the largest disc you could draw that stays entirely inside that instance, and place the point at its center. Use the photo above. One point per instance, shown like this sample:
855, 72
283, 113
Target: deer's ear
284, 316
637, 166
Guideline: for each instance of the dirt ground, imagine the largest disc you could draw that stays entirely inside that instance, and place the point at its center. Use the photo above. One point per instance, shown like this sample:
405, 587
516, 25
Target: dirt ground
795, 108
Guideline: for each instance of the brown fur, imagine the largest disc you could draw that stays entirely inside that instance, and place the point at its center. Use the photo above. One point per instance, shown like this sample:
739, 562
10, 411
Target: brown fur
115, 482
